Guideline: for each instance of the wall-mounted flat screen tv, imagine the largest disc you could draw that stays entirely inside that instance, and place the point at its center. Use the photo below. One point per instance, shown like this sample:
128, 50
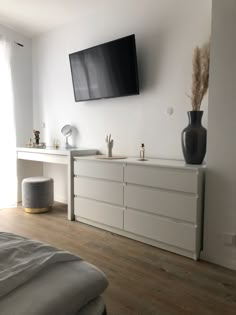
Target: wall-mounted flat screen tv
105, 71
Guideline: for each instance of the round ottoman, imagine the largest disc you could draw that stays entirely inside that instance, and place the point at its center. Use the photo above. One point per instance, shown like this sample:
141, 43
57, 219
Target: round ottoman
37, 194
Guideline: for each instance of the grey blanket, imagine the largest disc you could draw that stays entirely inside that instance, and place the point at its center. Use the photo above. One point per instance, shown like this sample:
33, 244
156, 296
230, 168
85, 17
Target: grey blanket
22, 258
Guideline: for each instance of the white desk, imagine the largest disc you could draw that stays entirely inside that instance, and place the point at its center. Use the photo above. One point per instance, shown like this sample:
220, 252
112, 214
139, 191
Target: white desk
50, 155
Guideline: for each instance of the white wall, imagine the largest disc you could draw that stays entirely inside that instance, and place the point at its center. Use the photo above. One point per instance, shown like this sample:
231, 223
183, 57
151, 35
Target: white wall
220, 208
21, 65
166, 33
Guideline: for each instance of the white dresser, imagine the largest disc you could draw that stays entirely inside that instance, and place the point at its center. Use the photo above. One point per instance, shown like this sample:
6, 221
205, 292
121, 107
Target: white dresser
158, 202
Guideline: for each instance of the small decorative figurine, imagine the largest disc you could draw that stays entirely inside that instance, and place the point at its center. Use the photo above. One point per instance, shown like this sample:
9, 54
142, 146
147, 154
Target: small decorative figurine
36, 135
109, 142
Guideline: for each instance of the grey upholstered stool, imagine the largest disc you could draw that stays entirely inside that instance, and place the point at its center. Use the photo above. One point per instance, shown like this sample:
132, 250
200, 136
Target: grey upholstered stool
37, 194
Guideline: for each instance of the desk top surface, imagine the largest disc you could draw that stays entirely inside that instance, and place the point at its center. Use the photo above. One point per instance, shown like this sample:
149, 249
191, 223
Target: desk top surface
60, 151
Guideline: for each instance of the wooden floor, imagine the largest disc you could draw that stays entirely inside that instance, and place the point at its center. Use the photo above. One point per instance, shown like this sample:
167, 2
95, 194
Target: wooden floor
143, 280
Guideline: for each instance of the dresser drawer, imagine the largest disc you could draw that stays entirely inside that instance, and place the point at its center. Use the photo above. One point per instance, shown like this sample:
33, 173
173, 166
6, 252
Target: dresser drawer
161, 177
171, 204
166, 231
101, 190
99, 212
98, 169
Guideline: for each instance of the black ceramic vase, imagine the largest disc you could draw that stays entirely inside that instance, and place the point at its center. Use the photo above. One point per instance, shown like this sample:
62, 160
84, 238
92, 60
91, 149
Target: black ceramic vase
194, 139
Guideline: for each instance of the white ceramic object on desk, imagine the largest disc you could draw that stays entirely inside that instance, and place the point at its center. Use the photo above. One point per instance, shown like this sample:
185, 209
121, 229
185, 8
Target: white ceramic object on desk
67, 131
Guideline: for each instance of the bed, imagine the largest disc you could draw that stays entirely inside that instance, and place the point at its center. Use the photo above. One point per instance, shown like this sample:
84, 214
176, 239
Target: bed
38, 279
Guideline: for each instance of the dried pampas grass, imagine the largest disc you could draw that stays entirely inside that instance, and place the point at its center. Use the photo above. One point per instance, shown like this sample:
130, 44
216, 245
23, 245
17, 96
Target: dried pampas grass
200, 75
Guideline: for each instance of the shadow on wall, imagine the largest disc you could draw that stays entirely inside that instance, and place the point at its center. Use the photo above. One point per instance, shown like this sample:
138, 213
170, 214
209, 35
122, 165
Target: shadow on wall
218, 211
149, 53
74, 136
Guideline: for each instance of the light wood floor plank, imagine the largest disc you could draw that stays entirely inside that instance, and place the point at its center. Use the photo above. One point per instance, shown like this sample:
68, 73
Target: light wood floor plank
143, 280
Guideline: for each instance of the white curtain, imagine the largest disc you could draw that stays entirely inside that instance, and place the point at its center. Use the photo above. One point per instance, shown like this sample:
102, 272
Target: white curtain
8, 178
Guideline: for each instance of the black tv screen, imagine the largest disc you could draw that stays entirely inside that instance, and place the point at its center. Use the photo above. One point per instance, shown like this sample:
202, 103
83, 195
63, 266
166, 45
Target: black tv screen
104, 71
